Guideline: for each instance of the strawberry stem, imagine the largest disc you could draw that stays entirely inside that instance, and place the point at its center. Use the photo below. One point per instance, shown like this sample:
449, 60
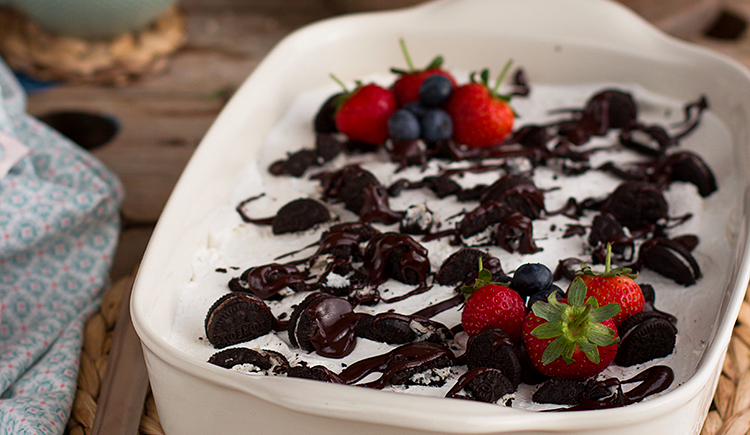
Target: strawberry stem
575, 326
608, 258
406, 54
502, 76
336, 79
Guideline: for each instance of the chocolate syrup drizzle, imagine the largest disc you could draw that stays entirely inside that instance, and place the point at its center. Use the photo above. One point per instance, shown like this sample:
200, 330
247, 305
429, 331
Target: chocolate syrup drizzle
407, 357
651, 381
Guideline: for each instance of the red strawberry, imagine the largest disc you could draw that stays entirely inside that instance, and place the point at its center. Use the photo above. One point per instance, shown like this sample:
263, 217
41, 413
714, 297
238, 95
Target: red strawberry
575, 339
363, 114
492, 304
406, 87
481, 117
614, 286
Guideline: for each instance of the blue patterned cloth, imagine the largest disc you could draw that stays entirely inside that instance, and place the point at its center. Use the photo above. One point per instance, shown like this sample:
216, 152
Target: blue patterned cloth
59, 225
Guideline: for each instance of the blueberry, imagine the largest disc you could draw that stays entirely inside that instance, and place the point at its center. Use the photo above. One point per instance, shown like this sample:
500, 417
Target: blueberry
435, 90
436, 125
403, 125
542, 295
417, 109
530, 278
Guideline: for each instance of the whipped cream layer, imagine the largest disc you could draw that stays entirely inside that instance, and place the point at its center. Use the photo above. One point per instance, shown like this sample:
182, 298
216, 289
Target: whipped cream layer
234, 246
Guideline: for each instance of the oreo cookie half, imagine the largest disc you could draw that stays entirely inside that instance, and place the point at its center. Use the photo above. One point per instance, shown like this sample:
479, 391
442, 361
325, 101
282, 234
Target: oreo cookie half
315, 373
560, 391
671, 259
236, 318
485, 384
462, 265
636, 204
391, 329
394, 328
324, 324
494, 348
299, 215
252, 361
648, 337
431, 374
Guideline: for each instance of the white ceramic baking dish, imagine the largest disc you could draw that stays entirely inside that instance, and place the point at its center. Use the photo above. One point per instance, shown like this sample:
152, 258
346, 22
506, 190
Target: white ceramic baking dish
557, 42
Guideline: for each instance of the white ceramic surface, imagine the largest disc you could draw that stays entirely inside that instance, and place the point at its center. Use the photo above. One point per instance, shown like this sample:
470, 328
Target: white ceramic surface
557, 42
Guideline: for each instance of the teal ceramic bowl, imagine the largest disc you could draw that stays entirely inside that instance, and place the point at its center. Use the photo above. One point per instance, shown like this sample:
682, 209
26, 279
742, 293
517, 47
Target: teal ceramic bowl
90, 19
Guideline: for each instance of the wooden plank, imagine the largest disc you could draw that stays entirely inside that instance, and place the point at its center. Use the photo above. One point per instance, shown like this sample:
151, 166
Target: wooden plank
163, 117
681, 18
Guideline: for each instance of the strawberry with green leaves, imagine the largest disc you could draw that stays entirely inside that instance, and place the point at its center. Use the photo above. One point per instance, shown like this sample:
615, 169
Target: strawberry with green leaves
614, 286
481, 117
406, 87
492, 304
363, 113
574, 339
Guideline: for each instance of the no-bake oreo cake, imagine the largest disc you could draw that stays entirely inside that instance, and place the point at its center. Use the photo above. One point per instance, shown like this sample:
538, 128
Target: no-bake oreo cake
465, 236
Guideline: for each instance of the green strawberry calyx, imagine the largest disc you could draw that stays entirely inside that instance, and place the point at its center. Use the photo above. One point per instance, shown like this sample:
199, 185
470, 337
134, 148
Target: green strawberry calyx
346, 92
609, 272
484, 278
436, 63
575, 324
484, 79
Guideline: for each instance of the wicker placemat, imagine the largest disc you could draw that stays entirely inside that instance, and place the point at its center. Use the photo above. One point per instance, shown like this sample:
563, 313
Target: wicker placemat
97, 343
118, 61
729, 413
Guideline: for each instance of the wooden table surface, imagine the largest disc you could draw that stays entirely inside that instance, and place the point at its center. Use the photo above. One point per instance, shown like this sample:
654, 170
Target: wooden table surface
164, 116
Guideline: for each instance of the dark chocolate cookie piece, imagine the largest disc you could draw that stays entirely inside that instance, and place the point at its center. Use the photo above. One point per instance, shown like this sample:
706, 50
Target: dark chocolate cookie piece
612, 107
567, 268
315, 373
517, 192
267, 280
395, 328
397, 256
431, 374
671, 259
442, 186
690, 168
299, 215
487, 385
516, 233
297, 163
292, 325
479, 219
494, 348
348, 186
324, 324
267, 361
606, 229
649, 294
418, 219
636, 204
652, 338
635, 319
560, 391
364, 296
420, 363
328, 146
236, 318
462, 265
391, 329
